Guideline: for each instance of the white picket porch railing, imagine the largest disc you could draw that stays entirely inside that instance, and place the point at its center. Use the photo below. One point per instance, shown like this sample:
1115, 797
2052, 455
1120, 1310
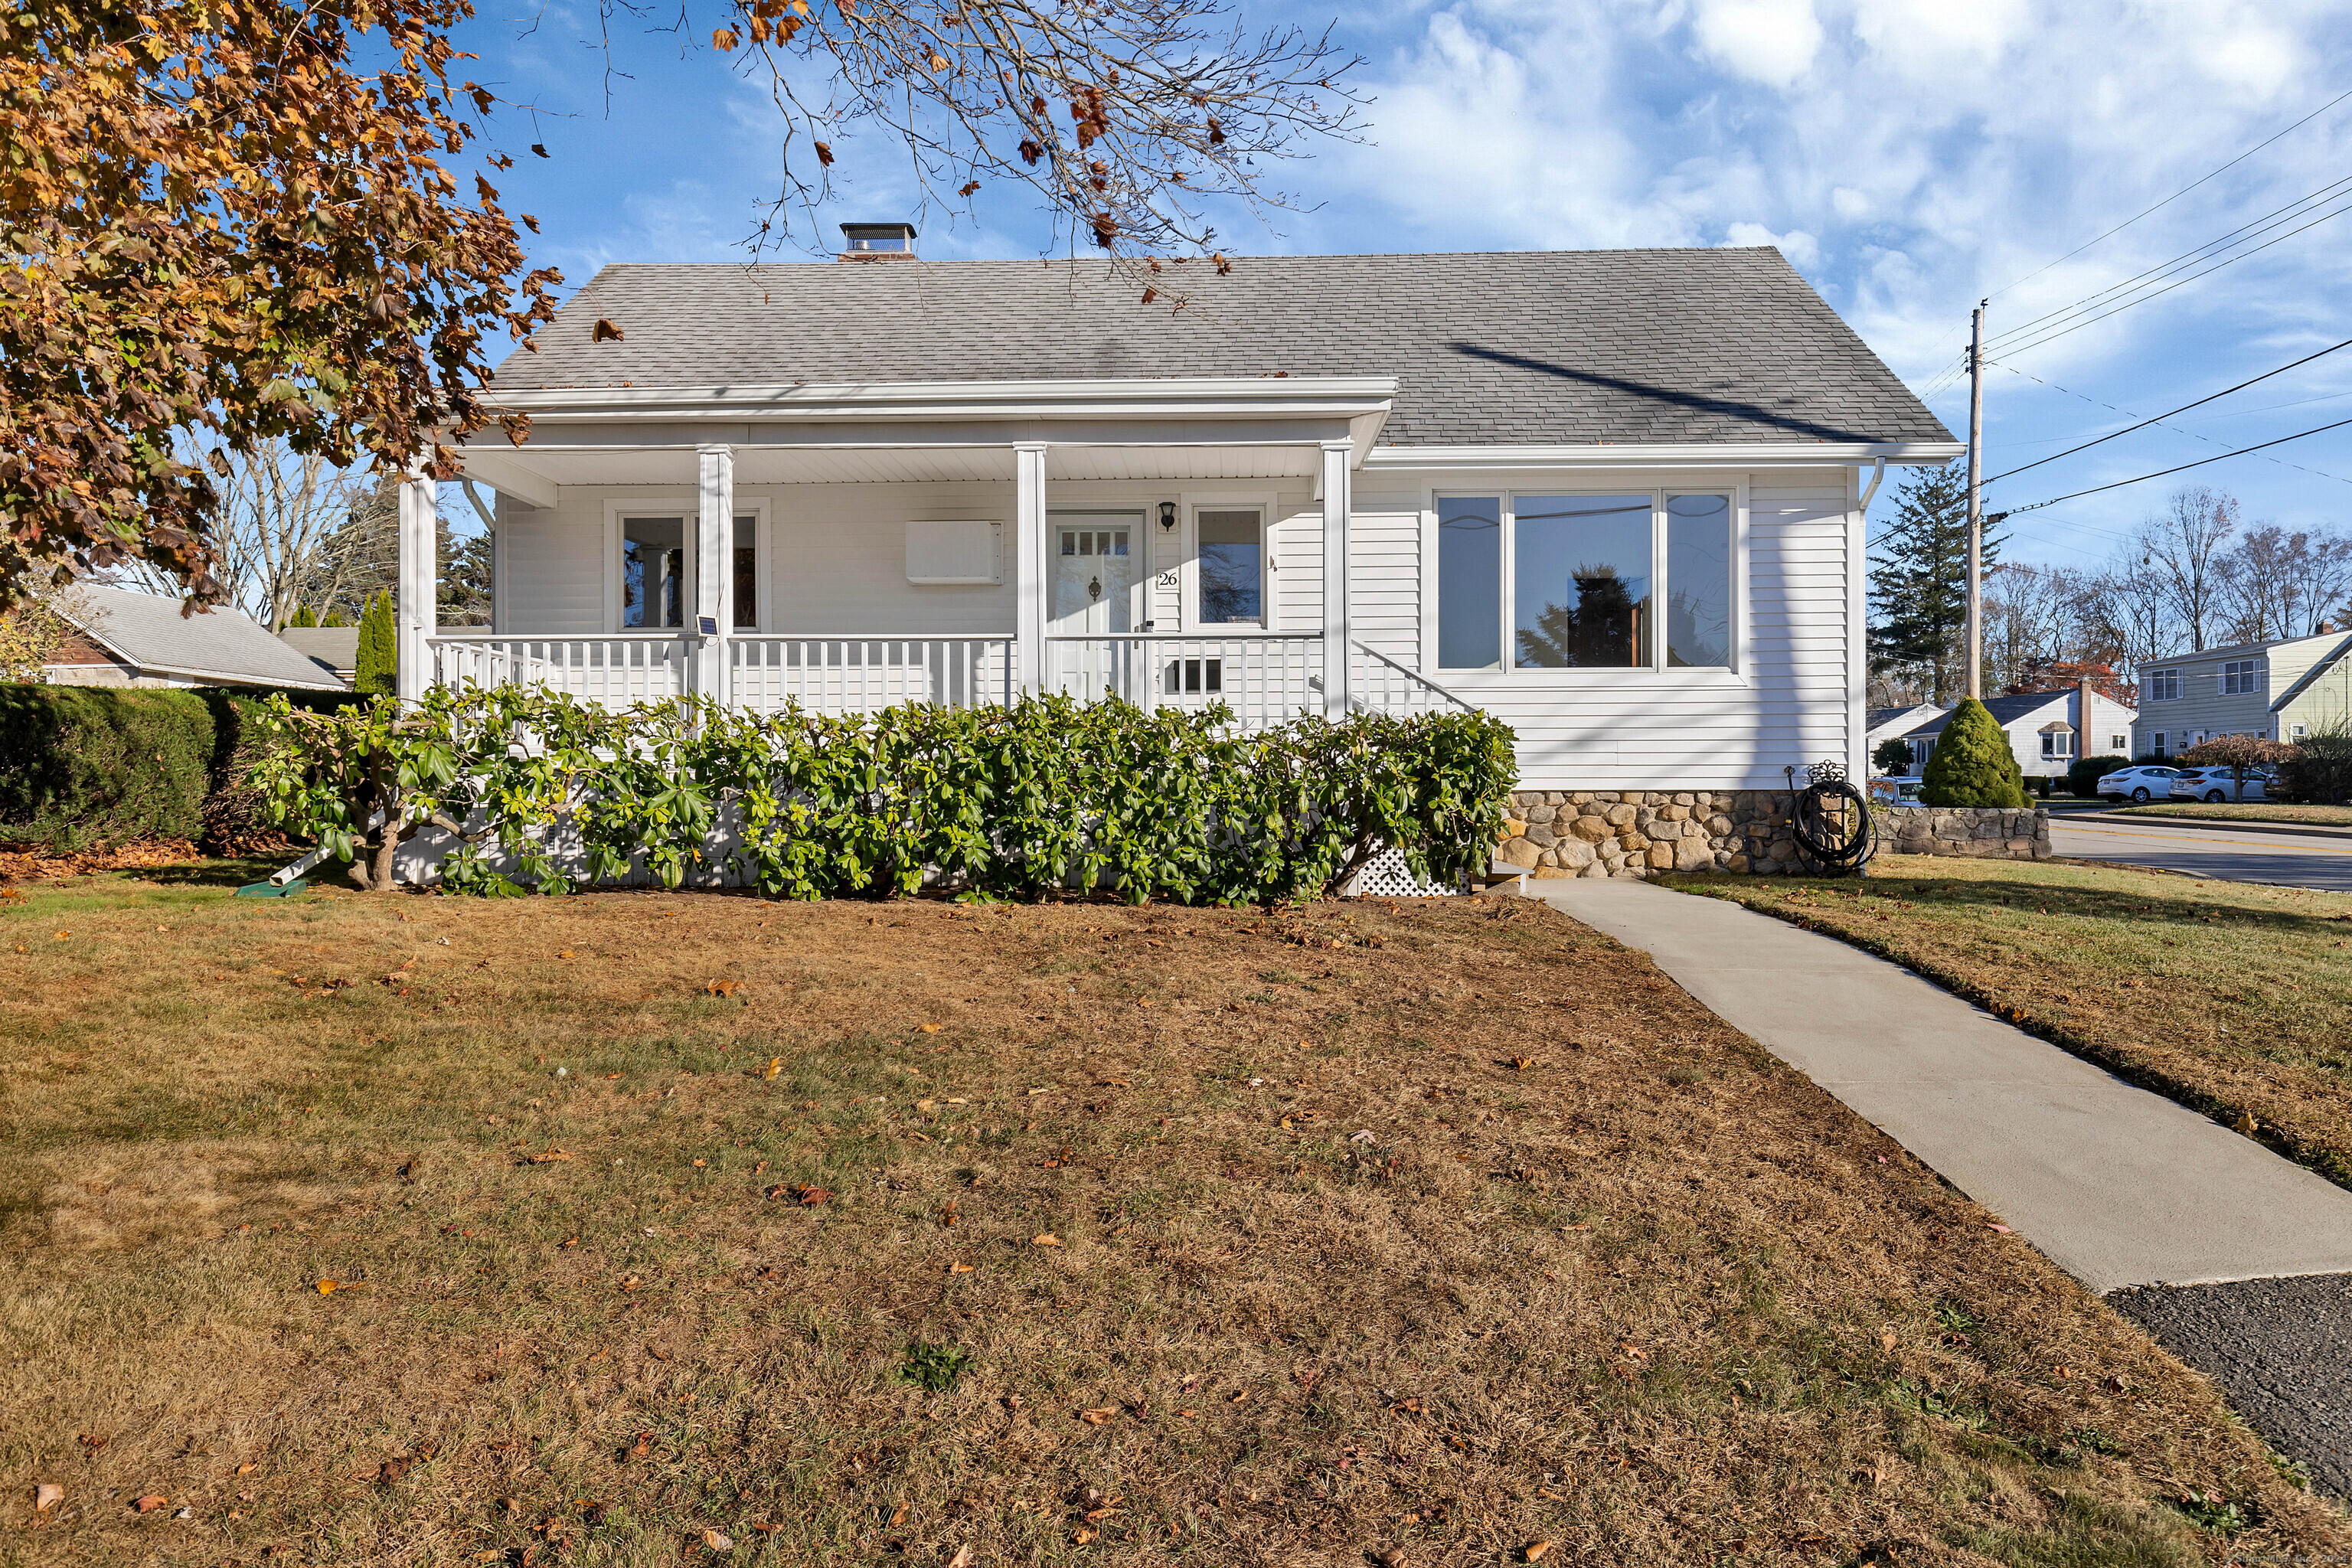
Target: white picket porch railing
1266, 678
862, 674
614, 670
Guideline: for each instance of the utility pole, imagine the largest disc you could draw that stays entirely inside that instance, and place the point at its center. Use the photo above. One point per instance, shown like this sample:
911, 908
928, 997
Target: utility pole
1976, 505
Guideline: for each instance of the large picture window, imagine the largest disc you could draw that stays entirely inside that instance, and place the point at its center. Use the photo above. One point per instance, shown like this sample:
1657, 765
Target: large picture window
1640, 580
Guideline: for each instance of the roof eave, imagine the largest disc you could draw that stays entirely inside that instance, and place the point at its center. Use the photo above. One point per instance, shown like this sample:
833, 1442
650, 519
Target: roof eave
1664, 455
1293, 396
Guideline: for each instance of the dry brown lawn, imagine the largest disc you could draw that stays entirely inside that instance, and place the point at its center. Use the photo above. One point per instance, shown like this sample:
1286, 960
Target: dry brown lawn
411, 1230
2232, 997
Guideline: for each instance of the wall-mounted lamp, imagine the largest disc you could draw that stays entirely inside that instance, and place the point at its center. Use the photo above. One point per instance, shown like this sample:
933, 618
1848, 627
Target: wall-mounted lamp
1168, 517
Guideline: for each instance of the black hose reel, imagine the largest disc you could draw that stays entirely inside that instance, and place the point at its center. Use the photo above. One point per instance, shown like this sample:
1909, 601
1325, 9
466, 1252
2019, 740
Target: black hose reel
1830, 822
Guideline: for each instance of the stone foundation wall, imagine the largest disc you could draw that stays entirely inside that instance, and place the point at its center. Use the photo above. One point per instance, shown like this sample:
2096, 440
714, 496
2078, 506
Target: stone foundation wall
1639, 833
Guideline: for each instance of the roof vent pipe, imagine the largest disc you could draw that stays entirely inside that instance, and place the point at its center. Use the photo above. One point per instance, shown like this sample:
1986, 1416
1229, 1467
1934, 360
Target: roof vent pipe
877, 241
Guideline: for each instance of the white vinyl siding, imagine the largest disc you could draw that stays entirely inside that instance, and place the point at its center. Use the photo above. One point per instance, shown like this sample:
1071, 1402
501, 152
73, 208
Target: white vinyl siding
552, 564
1384, 596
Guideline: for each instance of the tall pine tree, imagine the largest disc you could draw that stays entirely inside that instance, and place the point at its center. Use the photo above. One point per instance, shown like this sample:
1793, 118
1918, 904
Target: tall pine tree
1919, 587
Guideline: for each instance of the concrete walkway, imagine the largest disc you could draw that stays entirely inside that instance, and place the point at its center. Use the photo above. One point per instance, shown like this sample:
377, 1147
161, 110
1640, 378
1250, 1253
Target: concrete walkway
2117, 1185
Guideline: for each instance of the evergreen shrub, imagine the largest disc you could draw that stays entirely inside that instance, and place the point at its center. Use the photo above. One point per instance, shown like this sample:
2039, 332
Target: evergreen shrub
1972, 764
375, 670
2084, 773
1045, 795
2317, 769
1893, 755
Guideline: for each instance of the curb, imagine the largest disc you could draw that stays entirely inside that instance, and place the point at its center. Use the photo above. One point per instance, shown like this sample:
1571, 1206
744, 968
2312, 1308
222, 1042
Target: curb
2288, 829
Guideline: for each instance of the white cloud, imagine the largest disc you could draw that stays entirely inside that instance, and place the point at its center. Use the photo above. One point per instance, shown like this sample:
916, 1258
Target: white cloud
1799, 247
1771, 41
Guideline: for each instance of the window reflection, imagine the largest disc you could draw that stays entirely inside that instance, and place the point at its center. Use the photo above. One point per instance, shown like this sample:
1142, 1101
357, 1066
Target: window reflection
653, 571
1699, 580
1232, 568
1469, 582
1580, 570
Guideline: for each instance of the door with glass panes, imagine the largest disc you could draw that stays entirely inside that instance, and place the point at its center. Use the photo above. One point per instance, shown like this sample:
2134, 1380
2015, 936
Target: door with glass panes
1098, 587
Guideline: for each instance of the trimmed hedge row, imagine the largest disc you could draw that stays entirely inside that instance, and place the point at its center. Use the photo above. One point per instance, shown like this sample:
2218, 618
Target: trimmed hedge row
1043, 796
95, 766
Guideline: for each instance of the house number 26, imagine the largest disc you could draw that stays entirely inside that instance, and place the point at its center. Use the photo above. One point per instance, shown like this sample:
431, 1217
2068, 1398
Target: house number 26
1168, 578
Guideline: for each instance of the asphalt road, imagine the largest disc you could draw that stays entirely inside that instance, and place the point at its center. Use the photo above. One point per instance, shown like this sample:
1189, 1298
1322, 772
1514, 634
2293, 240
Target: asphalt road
2294, 861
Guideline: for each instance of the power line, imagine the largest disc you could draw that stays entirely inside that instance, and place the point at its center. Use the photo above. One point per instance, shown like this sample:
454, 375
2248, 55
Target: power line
2192, 434
2062, 328
2174, 197
2093, 299
2183, 468
2159, 419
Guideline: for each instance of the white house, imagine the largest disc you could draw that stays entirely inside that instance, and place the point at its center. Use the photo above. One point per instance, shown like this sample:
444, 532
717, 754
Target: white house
1896, 724
2047, 730
1613, 497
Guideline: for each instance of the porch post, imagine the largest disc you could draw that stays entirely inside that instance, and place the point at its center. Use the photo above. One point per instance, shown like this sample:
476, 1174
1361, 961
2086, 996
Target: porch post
1336, 496
714, 568
1029, 564
416, 618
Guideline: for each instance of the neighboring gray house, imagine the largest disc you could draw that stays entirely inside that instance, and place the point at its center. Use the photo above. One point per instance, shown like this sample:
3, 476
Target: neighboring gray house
335, 649
1613, 498
1888, 723
2275, 691
2046, 729
119, 637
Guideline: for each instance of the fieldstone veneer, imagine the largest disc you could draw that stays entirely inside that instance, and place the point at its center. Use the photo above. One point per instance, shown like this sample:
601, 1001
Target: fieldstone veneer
1635, 833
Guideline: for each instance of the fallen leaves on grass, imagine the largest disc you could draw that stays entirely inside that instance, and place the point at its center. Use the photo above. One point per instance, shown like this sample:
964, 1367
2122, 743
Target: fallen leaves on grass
932, 1028
716, 1541
1098, 1417
147, 1504
329, 1286
47, 1495
723, 988
547, 1156
1048, 1239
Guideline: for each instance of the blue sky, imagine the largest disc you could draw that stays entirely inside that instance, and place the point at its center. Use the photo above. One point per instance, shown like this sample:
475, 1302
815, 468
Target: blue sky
1910, 156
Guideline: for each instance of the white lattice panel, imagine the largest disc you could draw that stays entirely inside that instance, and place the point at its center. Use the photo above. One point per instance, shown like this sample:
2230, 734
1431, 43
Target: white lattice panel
1387, 876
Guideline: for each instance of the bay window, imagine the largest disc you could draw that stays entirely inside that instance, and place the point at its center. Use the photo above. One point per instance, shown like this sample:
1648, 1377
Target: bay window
1638, 580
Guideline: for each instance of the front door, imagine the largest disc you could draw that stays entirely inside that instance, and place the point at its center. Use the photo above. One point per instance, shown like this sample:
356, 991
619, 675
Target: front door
1097, 584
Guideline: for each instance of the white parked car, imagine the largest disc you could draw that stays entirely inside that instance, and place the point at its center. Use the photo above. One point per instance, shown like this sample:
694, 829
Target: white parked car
2215, 784
2140, 785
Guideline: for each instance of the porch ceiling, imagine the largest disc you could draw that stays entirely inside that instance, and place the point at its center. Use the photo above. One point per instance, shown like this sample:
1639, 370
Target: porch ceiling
528, 472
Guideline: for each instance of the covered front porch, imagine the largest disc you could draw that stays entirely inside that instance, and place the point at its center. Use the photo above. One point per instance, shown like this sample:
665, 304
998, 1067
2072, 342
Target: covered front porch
847, 549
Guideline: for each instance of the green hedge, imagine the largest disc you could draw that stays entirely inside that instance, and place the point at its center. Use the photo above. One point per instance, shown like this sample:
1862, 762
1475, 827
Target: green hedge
1009, 802
84, 766
2319, 772
2084, 773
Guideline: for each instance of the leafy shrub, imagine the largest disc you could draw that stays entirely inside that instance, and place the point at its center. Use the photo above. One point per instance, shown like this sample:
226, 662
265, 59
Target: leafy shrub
2084, 773
2318, 769
375, 667
1972, 764
1016, 801
1893, 755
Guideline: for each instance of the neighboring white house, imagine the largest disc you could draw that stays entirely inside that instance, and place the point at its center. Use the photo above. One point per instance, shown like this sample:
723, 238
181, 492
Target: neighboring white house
1615, 498
1893, 723
2046, 729
118, 637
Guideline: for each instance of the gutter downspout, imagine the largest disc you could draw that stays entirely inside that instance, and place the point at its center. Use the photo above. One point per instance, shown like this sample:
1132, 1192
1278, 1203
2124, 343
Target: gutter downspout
1877, 472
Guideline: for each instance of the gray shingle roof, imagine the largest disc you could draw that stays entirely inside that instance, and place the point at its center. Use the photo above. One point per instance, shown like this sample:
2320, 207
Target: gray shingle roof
2006, 711
221, 646
1497, 348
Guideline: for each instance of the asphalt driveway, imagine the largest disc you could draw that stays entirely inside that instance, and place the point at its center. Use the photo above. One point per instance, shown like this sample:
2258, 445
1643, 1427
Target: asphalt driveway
2224, 852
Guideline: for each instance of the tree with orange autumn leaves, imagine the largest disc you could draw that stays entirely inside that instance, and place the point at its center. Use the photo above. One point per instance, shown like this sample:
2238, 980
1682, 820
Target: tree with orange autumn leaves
245, 221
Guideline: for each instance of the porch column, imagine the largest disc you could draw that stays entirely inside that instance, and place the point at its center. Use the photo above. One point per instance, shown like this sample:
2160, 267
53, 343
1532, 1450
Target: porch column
1030, 561
714, 569
1337, 455
416, 615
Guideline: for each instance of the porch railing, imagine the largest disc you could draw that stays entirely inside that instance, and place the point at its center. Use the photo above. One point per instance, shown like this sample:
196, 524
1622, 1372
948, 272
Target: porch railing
1379, 684
861, 675
615, 670
1266, 678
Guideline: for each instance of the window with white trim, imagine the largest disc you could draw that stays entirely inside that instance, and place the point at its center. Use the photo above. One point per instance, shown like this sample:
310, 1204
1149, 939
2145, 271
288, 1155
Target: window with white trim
1638, 580
2242, 677
2057, 743
2164, 686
